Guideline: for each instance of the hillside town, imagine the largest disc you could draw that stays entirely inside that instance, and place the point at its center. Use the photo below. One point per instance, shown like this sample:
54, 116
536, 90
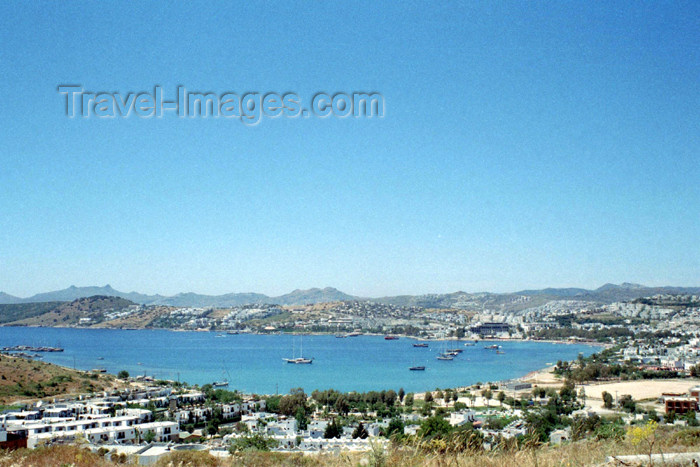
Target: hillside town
151, 419
645, 371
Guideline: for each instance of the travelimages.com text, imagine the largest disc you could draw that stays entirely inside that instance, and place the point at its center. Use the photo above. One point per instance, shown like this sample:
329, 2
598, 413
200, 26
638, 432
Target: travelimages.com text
249, 107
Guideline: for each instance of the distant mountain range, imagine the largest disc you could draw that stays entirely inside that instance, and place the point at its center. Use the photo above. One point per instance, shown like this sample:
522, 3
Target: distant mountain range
189, 299
608, 293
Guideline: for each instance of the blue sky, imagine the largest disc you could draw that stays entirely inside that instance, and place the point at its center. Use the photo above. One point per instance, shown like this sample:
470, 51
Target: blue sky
524, 144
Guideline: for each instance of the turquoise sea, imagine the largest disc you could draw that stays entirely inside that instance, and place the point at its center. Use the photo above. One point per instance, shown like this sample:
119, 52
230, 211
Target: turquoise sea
253, 363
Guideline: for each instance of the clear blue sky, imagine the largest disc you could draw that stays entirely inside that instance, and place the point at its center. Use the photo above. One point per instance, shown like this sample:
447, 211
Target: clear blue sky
524, 144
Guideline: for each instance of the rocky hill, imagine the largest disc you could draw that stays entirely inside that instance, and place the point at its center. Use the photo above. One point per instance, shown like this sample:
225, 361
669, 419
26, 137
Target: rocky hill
22, 379
85, 311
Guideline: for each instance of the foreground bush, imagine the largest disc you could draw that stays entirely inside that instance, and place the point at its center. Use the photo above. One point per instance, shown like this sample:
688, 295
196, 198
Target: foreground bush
53, 456
436, 452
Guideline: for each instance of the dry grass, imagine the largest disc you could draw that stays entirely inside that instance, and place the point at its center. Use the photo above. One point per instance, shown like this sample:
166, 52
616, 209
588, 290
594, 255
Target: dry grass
583, 453
54, 456
27, 380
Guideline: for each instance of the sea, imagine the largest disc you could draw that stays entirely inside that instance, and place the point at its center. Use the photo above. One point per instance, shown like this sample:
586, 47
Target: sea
254, 363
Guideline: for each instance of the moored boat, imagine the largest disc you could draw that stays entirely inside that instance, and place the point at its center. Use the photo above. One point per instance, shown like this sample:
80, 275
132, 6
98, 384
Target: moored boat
417, 368
299, 360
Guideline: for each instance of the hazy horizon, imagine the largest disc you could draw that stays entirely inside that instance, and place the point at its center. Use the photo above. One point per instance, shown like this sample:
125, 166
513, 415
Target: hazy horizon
274, 294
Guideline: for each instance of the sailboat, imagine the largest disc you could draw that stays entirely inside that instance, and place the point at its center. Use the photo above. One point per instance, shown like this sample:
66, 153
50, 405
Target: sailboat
445, 355
415, 366
299, 360
224, 382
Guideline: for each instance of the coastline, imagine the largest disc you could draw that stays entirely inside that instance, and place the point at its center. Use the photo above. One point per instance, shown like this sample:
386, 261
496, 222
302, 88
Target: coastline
483, 366
318, 333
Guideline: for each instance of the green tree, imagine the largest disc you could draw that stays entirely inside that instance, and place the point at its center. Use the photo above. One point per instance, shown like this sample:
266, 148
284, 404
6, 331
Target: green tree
395, 428
582, 395
149, 436
408, 400
487, 394
290, 403
254, 442
652, 415
123, 374
341, 405
459, 406
607, 400
301, 418
439, 394
627, 403
448, 396
582, 426
691, 418
670, 417
501, 397
695, 371
433, 427
428, 396
360, 432
333, 429
567, 391
390, 397
401, 394
272, 404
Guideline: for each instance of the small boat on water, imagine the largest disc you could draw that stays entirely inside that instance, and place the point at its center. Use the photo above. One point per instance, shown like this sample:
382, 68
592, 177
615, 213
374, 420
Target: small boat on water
299, 360
100, 358
421, 345
417, 368
455, 350
445, 357
390, 338
220, 384
353, 334
492, 347
500, 352
340, 336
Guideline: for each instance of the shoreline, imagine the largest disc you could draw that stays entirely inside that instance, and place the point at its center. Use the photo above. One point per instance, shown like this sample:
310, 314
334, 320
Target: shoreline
400, 336
536, 374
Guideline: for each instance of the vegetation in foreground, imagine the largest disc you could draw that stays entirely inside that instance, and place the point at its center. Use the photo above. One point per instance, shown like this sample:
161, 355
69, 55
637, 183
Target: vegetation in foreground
579, 453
